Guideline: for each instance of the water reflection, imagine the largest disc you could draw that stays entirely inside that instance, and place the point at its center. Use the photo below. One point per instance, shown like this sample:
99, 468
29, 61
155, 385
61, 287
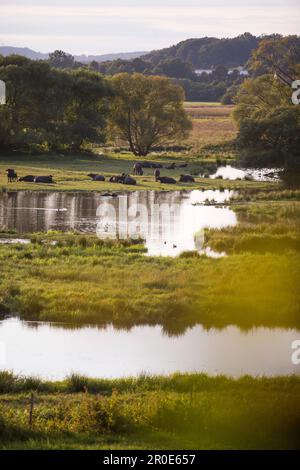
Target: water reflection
53, 352
229, 172
169, 222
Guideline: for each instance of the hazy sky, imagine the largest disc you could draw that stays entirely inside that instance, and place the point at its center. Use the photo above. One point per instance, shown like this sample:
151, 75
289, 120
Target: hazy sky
101, 26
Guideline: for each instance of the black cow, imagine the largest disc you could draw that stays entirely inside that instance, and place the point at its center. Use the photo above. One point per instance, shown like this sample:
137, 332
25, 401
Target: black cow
99, 178
129, 180
116, 179
138, 169
146, 164
171, 167
186, 179
11, 175
156, 165
166, 179
44, 179
27, 179
123, 178
156, 174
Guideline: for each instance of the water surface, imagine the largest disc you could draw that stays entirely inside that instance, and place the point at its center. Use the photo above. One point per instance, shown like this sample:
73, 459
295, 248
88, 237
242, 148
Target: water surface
229, 172
51, 351
169, 222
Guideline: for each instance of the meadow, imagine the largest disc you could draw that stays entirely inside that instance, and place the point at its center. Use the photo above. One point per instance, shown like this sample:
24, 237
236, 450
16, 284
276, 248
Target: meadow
180, 411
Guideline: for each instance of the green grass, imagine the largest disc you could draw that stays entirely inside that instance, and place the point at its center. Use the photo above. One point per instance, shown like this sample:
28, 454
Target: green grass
264, 227
177, 412
85, 280
70, 173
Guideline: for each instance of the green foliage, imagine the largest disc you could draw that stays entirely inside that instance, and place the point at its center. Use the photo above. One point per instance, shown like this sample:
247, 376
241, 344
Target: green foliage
147, 111
276, 54
269, 123
274, 139
60, 59
209, 52
48, 109
175, 68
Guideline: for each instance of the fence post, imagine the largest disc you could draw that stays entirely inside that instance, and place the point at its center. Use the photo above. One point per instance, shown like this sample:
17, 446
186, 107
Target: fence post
31, 405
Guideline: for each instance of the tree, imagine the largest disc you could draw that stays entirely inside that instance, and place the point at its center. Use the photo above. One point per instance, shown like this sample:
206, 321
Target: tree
220, 73
147, 111
269, 124
87, 111
257, 96
276, 55
175, 68
61, 59
273, 138
49, 108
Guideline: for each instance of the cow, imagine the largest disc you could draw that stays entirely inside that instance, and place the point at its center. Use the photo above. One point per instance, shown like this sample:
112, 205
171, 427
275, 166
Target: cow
138, 169
123, 178
146, 164
99, 178
171, 167
157, 165
129, 180
43, 179
166, 180
186, 179
156, 174
27, 178
11, 175
116, 179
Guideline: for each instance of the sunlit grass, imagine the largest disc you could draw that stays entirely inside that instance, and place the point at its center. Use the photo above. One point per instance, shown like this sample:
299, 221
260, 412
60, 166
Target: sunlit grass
94, 282
180, 411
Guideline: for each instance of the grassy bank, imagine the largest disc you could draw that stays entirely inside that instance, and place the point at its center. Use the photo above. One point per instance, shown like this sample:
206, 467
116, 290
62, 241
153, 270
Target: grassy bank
70, 173
85, 280
263, 227
180, 411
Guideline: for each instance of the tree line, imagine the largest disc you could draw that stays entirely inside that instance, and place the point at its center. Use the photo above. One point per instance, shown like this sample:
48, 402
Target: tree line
51, 108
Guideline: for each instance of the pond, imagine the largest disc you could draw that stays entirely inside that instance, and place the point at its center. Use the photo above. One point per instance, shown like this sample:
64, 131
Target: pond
169, 222
53, 351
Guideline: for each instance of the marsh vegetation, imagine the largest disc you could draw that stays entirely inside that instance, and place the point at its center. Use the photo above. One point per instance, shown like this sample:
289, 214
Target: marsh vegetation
186, 411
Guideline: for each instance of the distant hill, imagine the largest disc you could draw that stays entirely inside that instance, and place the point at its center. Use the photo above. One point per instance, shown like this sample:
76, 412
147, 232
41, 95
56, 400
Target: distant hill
209, 52
105, 57
201, 53
24, 51
31, 54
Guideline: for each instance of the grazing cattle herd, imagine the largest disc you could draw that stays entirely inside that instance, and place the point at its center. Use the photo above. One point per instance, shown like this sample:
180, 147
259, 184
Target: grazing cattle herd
13, 176
123, 178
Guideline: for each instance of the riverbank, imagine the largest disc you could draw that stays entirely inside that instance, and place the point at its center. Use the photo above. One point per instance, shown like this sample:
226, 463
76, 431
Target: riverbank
70, 173
264, 226
180, 411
